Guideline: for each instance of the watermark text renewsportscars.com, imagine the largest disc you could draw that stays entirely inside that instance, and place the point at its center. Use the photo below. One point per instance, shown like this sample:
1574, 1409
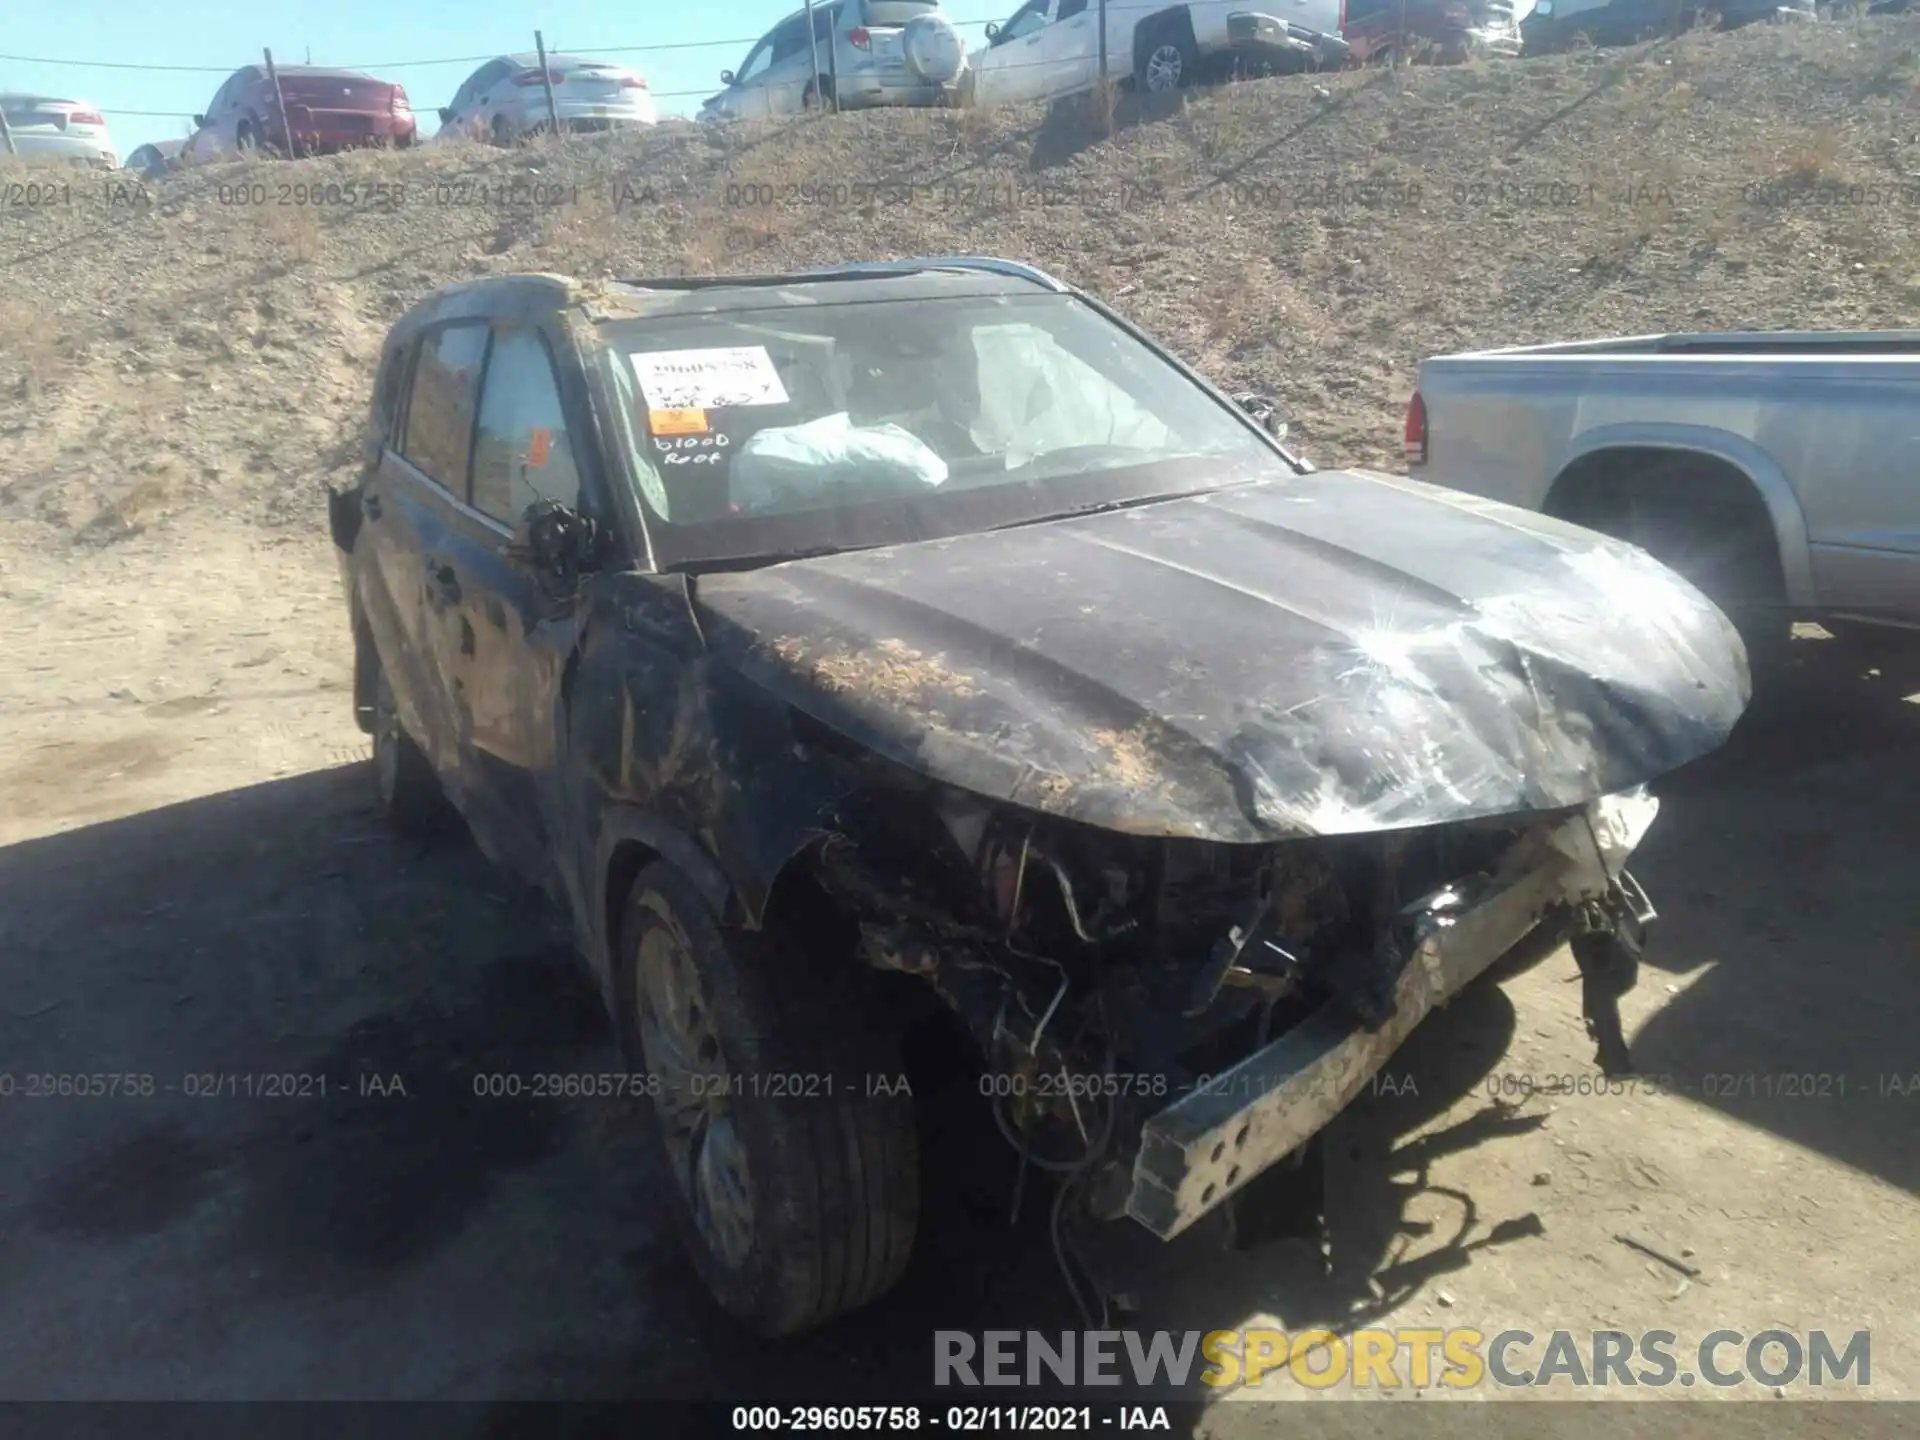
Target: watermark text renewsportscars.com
1409, 1358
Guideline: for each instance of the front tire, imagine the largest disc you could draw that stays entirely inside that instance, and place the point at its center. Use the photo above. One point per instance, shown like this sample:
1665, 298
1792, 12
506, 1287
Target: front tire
1724, 548
797, 1190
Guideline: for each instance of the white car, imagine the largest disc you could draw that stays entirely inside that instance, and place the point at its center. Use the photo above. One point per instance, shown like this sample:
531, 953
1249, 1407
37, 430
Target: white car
876, 52
43, 130
506, 98
1051, 48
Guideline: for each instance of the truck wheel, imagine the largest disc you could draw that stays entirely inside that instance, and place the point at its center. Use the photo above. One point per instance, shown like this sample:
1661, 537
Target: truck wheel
796, 1189
1722, 543
1167, 59
410, 795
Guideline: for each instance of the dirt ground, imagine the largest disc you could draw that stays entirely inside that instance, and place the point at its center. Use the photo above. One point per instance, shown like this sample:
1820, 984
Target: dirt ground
194, 889
193, 884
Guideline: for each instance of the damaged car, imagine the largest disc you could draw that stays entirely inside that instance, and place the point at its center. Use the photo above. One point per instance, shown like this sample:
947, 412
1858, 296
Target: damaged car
917, 642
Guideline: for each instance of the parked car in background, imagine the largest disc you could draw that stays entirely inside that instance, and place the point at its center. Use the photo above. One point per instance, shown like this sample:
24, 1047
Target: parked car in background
327, 110
1267, 45
1773, 470
1447, 31
506, 98
48, 131
876, 52
156, 158
916, 647
1556, 24
1049, 49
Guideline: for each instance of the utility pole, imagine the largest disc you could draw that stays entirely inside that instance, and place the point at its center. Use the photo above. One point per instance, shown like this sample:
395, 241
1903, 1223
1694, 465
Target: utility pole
546, 81
286, 120
813, 51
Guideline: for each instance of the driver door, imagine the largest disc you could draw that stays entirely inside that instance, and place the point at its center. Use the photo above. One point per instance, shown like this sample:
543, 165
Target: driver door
748, 98
1014, 68
514, 627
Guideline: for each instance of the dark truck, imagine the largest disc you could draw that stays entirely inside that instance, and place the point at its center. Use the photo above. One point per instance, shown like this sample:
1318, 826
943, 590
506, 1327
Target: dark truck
918, 643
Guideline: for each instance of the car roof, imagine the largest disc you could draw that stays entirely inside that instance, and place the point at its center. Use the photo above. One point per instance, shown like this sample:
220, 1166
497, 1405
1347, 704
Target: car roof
927, 278
27, 98
306, 72
531, 60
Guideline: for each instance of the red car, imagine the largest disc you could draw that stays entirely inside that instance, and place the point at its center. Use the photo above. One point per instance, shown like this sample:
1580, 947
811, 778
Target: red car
329, 110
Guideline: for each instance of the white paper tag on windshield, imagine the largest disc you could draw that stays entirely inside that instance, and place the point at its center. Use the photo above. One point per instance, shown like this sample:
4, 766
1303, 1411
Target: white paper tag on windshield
709, 379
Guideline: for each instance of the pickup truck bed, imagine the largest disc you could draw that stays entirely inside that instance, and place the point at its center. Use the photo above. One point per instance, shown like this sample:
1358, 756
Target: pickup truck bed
1778, 470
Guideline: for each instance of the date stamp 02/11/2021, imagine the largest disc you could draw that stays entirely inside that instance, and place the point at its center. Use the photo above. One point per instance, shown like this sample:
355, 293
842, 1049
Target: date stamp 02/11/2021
1153, 1088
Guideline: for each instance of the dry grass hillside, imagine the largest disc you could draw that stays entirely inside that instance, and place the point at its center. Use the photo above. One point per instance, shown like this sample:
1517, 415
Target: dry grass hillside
201, 344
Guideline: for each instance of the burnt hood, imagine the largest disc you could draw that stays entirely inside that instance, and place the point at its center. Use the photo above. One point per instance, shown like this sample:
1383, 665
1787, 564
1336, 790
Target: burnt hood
1324, 654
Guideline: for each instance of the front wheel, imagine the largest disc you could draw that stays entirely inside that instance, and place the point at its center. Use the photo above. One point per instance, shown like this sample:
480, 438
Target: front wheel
795, 1165
1717, 539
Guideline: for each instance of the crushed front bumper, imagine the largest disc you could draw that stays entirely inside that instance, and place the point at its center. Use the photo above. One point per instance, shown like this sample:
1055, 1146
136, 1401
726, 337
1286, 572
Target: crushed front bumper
1200, 1150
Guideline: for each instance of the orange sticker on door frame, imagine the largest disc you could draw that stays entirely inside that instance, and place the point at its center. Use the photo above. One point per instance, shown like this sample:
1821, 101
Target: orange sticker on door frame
539, 445
677, 422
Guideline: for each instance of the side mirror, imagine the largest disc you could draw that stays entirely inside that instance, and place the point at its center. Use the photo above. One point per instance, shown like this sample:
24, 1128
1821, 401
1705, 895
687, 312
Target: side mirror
555, 541
726, 77
993, 29
446, 115
199, 121
1265, 413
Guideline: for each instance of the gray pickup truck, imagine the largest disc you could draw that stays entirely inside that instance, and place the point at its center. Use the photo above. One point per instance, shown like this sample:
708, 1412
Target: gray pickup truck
1776, 470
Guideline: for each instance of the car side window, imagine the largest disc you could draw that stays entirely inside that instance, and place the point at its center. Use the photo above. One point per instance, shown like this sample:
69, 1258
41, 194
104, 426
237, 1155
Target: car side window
823, 18
522, 453
393, 376
789, 40
490, 75
756, 63
1069, 9
1027, 19
446, 380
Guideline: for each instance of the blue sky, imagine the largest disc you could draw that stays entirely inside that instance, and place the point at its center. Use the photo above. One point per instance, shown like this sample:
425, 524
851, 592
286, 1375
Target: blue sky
225, 34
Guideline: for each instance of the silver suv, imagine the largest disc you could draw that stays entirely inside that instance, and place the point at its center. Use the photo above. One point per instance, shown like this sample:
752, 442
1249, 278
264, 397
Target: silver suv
869, 52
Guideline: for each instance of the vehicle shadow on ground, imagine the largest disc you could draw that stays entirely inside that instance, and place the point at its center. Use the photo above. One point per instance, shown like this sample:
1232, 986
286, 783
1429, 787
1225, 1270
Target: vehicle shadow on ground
1783, 867
276, 929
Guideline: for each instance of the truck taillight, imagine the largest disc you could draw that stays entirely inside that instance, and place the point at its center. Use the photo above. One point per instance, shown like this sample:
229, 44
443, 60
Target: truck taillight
861, 37
86, 117
537, 77
633, 82
1413, 442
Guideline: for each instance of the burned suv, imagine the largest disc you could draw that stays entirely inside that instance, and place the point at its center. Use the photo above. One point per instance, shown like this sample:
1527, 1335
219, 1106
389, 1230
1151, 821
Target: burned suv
917, 637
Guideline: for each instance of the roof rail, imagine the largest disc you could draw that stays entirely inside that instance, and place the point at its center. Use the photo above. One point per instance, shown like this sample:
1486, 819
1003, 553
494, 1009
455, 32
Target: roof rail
991, 264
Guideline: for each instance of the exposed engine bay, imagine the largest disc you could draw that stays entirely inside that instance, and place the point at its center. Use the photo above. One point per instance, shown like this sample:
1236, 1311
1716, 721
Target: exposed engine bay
1163, 1019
